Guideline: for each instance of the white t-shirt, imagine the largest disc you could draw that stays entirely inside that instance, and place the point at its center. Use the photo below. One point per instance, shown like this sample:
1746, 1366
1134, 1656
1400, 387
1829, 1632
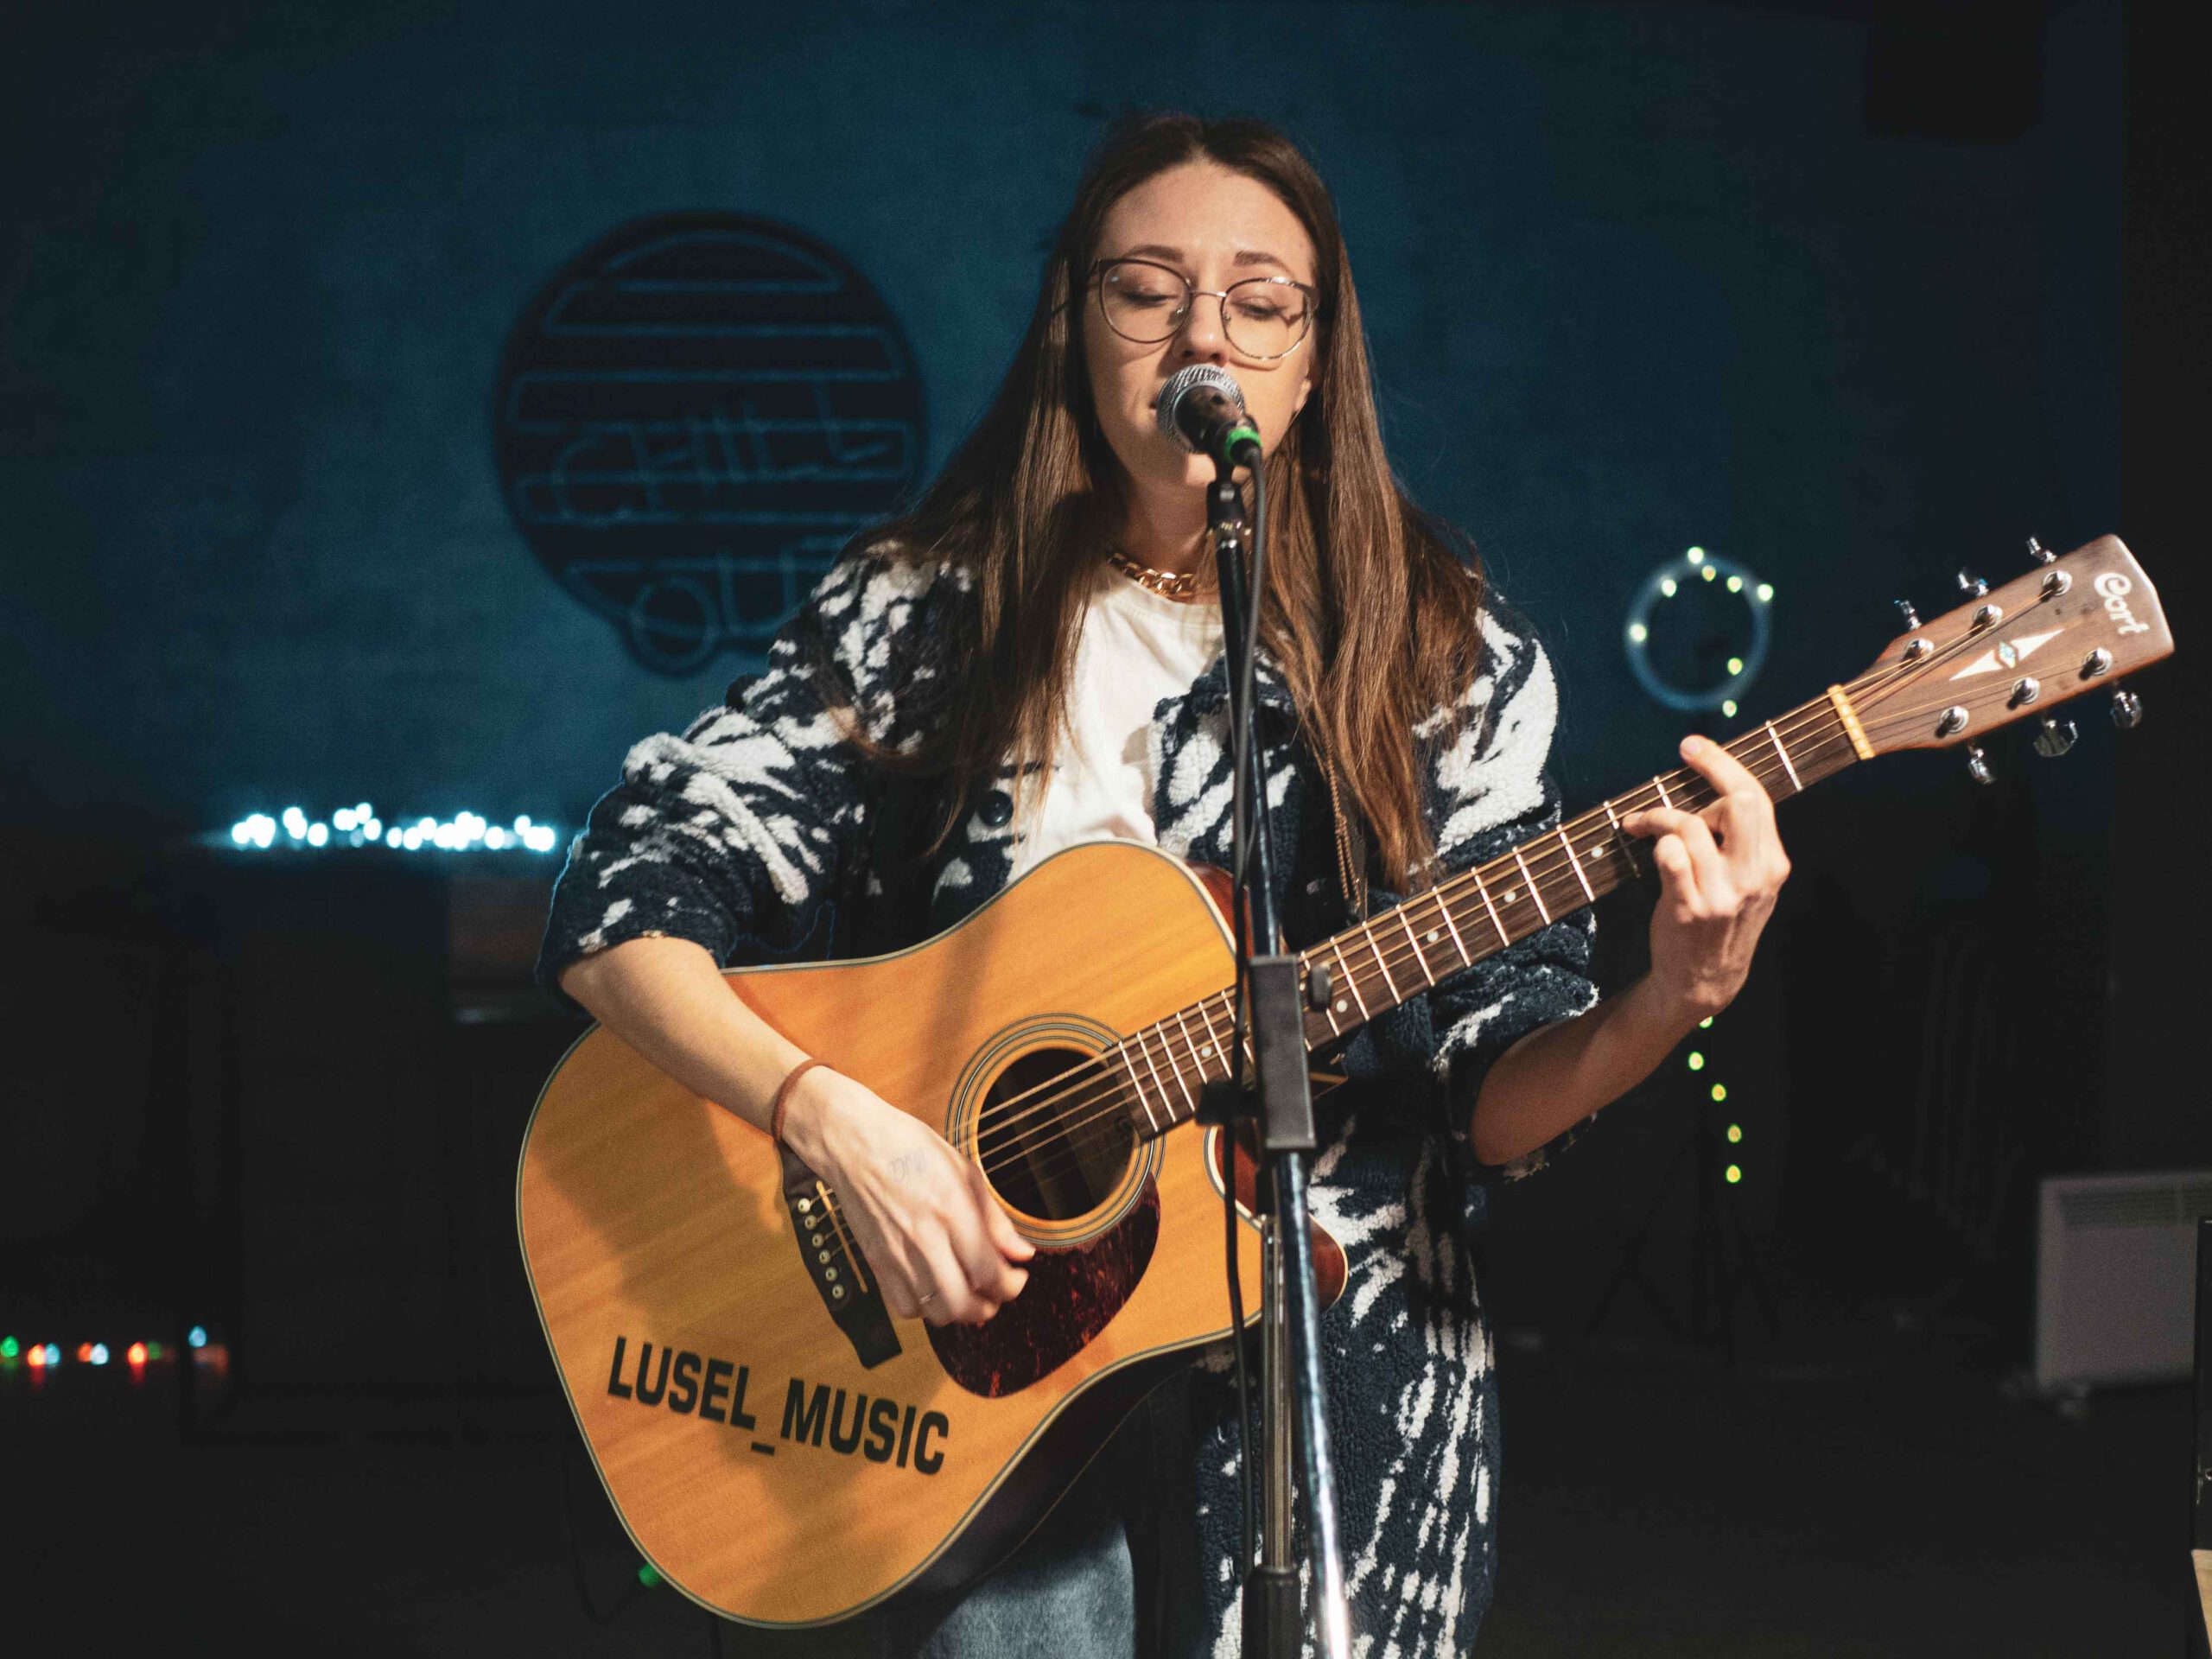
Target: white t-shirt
1135, 648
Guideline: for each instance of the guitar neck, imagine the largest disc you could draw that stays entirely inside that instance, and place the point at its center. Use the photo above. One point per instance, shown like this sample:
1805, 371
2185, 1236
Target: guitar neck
1374, 966
1477, 914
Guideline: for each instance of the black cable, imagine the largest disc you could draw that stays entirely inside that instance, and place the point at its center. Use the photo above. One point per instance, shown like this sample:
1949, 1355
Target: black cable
1235, 1099
1250, 777
1265, 840
1236, 1340
1249, 780
620, 1604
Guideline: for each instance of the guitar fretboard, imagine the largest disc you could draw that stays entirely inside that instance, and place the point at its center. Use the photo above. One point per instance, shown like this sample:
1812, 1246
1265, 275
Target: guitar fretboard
1382, 961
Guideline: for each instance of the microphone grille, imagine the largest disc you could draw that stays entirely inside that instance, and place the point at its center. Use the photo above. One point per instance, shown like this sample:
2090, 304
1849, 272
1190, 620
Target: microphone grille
1183, 382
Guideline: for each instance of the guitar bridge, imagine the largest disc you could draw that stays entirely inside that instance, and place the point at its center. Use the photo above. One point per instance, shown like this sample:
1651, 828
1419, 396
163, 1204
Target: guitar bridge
833, 1261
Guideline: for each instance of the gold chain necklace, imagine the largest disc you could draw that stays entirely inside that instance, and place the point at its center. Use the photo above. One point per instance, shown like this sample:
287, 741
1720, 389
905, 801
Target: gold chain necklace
1183, 585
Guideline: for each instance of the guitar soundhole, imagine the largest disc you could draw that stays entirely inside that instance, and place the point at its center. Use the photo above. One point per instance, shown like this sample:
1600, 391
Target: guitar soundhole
1060, 1150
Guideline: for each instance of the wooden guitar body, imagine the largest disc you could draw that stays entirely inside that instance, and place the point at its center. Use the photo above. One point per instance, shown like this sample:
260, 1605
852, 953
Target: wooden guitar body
779, 1448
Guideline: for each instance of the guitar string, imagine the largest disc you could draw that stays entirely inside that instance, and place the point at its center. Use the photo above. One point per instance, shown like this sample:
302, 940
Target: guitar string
1875, 686
1398, 954
1550, 869
1546, 868
1050, 1148
1869, 685
1002, 1118
1429, 908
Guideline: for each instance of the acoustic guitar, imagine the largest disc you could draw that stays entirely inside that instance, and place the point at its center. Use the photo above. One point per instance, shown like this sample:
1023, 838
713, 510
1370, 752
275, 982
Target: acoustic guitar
784, 1450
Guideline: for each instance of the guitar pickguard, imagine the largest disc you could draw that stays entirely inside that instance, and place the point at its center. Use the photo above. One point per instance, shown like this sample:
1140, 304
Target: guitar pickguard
1072, 1294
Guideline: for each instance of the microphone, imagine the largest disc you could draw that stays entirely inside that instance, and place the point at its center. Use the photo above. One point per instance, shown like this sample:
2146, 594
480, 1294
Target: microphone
1202, 408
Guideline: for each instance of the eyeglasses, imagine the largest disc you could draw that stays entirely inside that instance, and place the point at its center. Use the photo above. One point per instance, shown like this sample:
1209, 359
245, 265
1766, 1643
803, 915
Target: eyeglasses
1262, 317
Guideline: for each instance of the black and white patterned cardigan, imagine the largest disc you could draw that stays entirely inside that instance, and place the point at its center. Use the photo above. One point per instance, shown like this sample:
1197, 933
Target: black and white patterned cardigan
761, 833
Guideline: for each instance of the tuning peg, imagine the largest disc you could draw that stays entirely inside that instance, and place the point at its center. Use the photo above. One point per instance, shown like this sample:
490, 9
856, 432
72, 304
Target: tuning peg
2055, 738
2126, 708
1904, 609
1971, 585
2038, 552
1978, 764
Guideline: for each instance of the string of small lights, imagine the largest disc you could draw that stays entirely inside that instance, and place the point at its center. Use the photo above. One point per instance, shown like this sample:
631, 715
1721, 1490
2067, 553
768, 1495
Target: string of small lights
42, 1357
1663, 584
359, 825
1733, 1173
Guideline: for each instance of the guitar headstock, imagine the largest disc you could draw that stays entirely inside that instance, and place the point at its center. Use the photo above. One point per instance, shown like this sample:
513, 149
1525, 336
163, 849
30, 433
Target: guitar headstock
2074, 625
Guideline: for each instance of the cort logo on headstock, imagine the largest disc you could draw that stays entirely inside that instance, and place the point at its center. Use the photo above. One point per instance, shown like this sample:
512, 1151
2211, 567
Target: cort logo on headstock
2115, 587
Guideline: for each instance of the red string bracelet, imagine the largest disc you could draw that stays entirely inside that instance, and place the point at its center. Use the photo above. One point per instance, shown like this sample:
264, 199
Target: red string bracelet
783, 1099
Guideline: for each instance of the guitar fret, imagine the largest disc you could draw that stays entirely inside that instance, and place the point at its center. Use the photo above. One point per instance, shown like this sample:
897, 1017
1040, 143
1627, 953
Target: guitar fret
1151, 1122
1214, 1037
1535, 898
1166, 1037
1145, 1049
1659, 784
1420, 961
1351, 980
1785, 754
1504, 938
1228, 1001
1189, 1046
1576, 865
1375, 950
1620, 836
1466, 956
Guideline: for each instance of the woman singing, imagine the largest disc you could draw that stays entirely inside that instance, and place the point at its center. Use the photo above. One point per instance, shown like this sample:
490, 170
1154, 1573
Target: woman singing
1031, 658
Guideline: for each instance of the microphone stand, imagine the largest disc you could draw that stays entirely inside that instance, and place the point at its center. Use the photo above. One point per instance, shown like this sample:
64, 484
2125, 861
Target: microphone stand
1291, 1391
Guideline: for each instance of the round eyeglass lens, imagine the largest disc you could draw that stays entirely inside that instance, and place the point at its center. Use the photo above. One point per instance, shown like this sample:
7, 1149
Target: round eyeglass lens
1265, 317
1262, 317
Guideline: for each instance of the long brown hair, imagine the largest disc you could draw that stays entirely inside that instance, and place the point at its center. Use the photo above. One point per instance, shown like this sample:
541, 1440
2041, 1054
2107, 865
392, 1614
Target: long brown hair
1372, 609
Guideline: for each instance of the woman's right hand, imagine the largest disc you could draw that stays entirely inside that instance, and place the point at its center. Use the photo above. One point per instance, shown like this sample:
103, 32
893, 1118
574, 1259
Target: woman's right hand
923, 1217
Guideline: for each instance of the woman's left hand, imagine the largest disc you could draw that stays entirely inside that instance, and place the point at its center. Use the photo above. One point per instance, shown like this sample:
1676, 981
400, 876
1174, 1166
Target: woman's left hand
1720, 871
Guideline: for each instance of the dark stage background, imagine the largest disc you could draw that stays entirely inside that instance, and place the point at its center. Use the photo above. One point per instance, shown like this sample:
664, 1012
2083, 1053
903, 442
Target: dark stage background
1854, 295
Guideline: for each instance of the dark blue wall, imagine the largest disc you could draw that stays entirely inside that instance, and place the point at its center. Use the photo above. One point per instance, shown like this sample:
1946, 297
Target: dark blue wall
1637, 278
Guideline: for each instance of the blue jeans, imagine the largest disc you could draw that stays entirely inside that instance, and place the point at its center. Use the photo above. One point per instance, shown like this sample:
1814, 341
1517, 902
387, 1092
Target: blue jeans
1072, 1590
1069, 1592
